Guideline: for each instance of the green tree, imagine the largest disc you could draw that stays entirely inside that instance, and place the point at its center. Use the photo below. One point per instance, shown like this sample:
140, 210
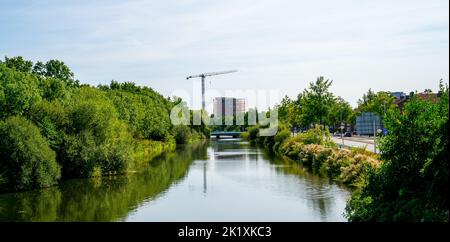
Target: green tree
26, 160
52, 88
284, 108
412, 184
39, 69
341, 111
18, 91
52, 119
316, 102
145, 110
96, 141
377, 103
18, 63
295, 112
57, 69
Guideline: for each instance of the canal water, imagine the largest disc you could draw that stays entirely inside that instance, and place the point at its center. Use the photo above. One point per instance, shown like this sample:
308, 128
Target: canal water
221, 180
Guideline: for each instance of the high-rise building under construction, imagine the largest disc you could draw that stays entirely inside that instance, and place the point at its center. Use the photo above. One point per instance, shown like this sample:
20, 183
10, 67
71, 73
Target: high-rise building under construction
228, 106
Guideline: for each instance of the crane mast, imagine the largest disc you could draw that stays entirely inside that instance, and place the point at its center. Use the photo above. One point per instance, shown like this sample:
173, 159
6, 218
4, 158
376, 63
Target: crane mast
203, 76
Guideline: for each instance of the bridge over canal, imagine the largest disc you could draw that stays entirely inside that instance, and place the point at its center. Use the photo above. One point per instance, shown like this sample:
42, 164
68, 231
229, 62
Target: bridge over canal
226, 134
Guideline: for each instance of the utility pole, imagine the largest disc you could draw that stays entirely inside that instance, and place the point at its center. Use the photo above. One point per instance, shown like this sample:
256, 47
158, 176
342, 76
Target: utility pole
342, 128
203, 76
203, 92
374, 137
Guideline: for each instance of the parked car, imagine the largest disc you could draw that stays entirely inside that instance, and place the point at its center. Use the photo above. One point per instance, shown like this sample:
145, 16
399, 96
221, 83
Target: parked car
348, 134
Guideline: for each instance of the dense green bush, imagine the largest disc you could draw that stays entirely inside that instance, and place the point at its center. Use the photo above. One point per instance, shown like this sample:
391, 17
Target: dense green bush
146, 112
280, 137
92, 131
315, 149
317, 135
203, 130
412, 184
341, 164
358, 168
97, 142
52, 88
26, 159
182, 134
52, 119
253, 132
272, 143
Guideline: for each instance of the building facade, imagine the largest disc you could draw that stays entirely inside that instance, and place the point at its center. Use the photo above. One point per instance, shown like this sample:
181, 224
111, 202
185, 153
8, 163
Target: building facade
399, 95
228, 106
401, 98
368, 124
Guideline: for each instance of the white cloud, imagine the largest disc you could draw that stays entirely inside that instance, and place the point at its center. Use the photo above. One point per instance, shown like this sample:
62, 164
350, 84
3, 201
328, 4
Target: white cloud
383, 45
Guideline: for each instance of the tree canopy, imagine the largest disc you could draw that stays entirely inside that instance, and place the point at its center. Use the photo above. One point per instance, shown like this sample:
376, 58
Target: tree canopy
315, 105
77, 130
377, 103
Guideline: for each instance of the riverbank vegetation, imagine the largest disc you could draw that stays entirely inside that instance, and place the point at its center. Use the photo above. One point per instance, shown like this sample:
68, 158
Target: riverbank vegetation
53, 127
408, 181
412, 183
315, 149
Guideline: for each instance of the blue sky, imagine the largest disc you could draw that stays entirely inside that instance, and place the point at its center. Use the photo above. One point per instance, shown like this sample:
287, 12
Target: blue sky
384, 45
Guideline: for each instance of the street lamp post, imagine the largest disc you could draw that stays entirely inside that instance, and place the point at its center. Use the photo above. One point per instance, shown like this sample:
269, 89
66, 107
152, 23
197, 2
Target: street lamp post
374, 137
342, 128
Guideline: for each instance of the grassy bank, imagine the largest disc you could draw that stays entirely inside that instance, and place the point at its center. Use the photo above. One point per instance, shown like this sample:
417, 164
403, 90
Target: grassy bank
315, 149
147, 150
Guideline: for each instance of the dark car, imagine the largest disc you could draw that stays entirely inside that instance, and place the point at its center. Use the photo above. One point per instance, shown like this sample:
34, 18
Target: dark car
348, 134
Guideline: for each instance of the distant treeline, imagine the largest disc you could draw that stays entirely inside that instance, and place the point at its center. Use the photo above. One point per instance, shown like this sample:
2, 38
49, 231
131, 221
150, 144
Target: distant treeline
53, 127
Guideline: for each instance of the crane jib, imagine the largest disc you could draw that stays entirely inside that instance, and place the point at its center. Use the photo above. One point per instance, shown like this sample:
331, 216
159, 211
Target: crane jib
203, 75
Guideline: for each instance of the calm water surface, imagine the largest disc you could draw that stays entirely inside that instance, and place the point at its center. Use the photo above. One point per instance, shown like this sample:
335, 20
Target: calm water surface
223, 180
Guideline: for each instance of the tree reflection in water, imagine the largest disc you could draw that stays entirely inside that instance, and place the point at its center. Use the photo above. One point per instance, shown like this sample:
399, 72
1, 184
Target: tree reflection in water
101, 199
316, 190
